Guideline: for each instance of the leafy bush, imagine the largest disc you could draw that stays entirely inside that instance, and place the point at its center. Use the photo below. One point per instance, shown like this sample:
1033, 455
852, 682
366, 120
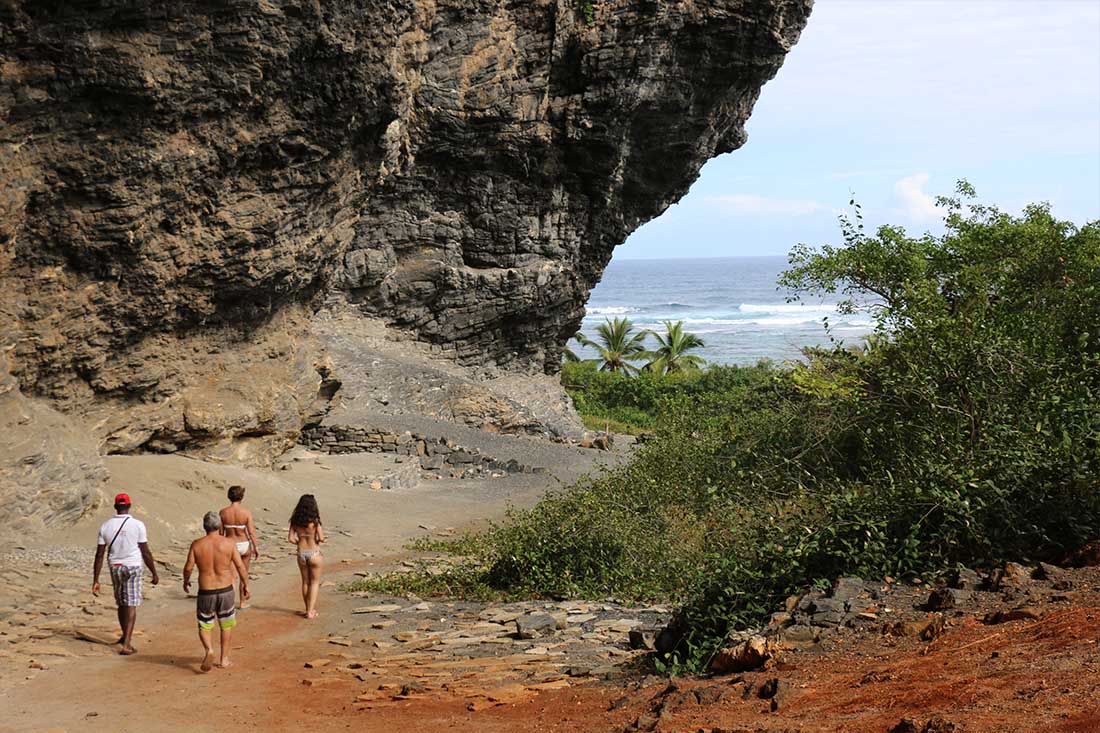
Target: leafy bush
635, 402
967, 431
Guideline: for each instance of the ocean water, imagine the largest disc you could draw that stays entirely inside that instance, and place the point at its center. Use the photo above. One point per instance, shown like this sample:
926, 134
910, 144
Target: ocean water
732, 303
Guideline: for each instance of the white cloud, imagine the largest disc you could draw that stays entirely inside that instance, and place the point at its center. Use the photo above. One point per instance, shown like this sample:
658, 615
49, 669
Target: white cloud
750, 205
918, 205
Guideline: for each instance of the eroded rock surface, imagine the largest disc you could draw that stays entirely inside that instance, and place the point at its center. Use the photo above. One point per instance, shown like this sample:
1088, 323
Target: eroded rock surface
50, 471
186, 183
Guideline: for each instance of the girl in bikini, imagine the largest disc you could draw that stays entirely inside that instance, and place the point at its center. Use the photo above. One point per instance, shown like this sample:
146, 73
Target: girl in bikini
305, 531
237, 526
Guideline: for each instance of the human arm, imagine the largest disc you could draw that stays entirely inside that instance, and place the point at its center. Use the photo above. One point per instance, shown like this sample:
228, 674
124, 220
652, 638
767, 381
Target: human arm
250, 528
100, 553
291, 535
187, 568
320, 534
147, 556
242, 573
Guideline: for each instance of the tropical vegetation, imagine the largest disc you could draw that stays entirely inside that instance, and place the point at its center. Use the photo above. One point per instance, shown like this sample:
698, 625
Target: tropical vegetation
671, 355
618, 345
966, 431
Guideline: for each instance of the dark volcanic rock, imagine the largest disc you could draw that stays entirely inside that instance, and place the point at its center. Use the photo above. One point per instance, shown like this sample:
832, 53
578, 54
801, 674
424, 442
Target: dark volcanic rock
177, 175
942, 599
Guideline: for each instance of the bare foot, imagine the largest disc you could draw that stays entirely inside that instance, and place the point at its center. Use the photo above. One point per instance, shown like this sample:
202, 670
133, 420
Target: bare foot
312, 614
208, 661
127, 651
224, 664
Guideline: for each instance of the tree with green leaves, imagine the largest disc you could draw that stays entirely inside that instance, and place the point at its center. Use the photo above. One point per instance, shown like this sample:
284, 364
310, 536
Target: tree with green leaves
568, 355
617, 346
671, 354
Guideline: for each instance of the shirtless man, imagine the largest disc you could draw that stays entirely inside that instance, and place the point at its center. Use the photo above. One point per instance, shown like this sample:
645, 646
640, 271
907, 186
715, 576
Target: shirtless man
237, 526
217, 559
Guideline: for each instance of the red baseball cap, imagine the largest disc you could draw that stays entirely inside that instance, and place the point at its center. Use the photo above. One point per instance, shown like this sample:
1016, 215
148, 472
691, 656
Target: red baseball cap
122, 499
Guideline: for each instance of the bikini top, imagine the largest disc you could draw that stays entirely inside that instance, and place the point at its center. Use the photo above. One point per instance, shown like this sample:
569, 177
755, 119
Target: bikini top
235, 526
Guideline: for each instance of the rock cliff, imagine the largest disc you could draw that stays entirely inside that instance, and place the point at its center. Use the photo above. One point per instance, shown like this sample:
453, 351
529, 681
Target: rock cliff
185, 183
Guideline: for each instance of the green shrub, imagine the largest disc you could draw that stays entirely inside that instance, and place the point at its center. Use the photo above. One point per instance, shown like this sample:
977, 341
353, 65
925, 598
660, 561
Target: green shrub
635, 403
967, 431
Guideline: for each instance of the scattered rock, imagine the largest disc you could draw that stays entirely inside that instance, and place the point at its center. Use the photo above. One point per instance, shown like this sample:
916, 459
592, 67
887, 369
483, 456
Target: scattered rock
319, 681
753, 653
845, 589
1046, 571
798, 636
781, 619
638, 639
935, 724
942, 599
935, 628
966, 579
926, 629
534, 625
774, 690
1012, 575
1024, 613
381, 608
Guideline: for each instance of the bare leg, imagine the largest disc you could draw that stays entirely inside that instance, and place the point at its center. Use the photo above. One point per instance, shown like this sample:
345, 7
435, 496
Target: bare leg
227, 635
315, 564
129, 616
208, 658
121, 624
240, 586
303, 568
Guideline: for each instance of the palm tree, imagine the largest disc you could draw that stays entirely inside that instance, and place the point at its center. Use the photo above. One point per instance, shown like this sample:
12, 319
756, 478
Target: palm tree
567, 354
671, 352
618, 345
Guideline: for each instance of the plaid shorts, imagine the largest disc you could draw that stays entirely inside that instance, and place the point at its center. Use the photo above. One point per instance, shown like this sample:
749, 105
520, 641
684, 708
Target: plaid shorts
127, 584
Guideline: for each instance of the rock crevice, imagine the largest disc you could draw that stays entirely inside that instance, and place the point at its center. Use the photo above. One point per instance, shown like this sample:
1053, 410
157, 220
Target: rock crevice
186, 177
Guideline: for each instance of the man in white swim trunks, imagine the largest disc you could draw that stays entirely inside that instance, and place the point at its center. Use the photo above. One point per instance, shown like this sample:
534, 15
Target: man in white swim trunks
123, 541
237, 525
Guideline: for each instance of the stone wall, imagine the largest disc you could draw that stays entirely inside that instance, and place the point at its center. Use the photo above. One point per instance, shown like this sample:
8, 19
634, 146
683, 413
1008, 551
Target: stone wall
437, 456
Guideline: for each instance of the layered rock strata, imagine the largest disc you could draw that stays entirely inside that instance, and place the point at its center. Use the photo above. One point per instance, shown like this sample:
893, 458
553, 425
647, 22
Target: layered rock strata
190, 180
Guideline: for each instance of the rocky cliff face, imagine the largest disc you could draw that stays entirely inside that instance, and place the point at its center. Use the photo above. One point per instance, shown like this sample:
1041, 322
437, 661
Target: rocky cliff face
184, 182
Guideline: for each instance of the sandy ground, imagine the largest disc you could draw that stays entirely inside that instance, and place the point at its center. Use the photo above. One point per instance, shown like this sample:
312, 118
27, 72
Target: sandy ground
161, 683
1030, 675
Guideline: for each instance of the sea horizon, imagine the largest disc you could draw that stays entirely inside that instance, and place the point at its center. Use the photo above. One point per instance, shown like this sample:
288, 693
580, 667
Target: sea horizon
734, 303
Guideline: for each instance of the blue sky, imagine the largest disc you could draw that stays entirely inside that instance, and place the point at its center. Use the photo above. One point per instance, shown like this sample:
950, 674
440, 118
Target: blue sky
895, 101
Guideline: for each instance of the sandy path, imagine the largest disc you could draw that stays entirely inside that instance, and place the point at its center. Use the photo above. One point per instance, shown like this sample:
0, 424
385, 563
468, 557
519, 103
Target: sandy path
162, 684
1025, 675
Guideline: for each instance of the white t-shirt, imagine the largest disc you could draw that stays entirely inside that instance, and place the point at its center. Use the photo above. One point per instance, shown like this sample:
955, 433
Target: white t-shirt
125, 550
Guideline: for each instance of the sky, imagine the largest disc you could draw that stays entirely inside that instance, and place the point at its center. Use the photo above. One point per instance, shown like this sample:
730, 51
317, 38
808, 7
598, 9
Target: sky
894, 102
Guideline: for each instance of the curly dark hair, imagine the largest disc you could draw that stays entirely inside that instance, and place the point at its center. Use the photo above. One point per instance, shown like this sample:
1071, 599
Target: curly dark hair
305, 512
236, 493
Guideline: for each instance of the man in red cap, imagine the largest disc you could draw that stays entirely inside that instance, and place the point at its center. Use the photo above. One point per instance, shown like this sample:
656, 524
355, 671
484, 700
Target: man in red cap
123, 541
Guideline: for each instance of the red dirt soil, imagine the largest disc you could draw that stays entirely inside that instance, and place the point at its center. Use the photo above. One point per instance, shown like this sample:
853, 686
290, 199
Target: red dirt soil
1019, 676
